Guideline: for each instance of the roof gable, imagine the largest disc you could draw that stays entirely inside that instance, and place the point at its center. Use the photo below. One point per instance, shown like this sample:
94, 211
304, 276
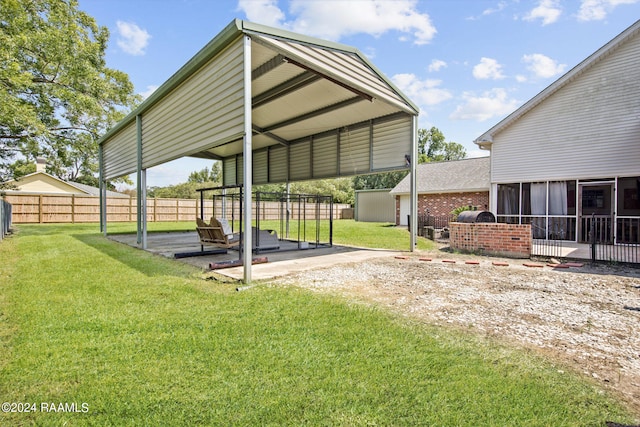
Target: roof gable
457, 176
43, 183
318, 109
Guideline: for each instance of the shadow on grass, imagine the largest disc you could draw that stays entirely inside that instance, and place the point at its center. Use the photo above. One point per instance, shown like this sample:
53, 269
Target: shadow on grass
144, 262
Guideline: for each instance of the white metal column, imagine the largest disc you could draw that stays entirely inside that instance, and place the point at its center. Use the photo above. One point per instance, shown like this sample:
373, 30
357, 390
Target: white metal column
103, 192
142, 189
413, 218
247, 162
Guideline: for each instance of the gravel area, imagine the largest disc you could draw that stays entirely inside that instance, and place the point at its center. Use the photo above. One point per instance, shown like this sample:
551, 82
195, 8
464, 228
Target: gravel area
586, 316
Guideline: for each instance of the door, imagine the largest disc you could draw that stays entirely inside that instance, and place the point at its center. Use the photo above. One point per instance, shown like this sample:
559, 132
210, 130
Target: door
596, 211
405, 209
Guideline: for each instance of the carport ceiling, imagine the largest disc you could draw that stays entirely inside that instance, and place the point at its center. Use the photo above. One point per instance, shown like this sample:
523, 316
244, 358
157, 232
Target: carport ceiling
305, 88
300, 87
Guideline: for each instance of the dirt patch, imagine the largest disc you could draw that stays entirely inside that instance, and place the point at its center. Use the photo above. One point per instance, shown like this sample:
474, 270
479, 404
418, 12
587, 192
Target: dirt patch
587, 316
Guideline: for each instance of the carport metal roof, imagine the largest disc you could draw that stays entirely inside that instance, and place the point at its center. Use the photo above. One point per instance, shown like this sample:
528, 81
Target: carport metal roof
273, 106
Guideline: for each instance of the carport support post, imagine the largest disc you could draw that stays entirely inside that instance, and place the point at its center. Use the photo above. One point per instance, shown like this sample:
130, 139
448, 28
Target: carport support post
413, 226
142, 190
103, 193
247, 163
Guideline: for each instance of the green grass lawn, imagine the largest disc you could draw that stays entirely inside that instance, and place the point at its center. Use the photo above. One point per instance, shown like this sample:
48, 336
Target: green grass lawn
143, 340
345, 232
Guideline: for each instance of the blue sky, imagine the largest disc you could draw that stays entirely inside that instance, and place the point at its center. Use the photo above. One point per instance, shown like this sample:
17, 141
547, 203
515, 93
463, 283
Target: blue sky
466, 63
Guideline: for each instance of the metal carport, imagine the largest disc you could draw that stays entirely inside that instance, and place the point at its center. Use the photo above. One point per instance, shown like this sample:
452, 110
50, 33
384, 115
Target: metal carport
273, 106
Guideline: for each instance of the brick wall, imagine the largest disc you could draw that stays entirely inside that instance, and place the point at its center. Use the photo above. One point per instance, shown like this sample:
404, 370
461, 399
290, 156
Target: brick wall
442, 204
510, 240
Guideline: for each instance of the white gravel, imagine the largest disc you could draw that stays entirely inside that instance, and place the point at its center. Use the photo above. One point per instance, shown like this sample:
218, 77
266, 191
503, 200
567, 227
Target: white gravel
587, 316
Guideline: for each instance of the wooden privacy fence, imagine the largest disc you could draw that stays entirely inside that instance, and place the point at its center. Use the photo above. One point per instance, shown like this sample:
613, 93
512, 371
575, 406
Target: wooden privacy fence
79, 208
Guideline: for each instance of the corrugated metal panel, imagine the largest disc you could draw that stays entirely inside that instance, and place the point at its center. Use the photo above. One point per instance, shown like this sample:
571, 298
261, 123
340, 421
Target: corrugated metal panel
120, 155
391, 142
589, 128
325, 156
229, 170
354, 151
205, 109
341, 65
260, 167
375, 206
278, 165
240, 168
300, 164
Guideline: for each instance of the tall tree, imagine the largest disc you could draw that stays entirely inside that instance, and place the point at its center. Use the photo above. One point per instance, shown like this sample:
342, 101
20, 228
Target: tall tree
57, 96
378, 180
205, 175
433, 147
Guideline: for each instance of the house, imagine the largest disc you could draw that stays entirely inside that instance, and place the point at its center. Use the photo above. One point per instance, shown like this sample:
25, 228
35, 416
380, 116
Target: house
41, 182
569, 158
443, 187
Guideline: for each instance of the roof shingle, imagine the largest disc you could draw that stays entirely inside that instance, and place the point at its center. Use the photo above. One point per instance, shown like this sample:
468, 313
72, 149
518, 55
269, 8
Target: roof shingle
449, 177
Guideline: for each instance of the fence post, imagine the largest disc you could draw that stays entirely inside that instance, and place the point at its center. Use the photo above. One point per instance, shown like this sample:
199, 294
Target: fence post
40, 209
592, 237
73, 209
131, 208
177, 210
155, 209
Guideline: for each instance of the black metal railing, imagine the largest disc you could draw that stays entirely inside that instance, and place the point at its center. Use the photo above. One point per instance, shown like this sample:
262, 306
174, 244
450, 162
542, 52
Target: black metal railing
626, 248
431, 225
542, 246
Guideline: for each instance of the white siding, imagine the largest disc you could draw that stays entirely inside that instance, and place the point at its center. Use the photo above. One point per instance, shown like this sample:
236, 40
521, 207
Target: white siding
278, 167
120, 153
204, 110
300, 161
590, 128
229, 170
325, 156
375, 206
391, 141
354, 151
260, 167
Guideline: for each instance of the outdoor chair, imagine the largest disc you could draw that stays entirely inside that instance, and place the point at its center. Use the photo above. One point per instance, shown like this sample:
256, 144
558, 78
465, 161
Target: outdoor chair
213, 234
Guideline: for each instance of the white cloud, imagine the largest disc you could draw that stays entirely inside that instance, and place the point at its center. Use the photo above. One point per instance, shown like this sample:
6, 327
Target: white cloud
265, 12
490, 11
423, 92
336, 19
436, 65
597, 10
480, 108
488, 68
547, 10
147, 93
542, 66
133, 39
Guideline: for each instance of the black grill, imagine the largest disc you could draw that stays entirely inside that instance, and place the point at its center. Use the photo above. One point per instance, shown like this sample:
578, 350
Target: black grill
476, 216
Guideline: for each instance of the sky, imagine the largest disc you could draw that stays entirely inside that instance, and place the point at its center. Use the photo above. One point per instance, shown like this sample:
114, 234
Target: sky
467, 64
